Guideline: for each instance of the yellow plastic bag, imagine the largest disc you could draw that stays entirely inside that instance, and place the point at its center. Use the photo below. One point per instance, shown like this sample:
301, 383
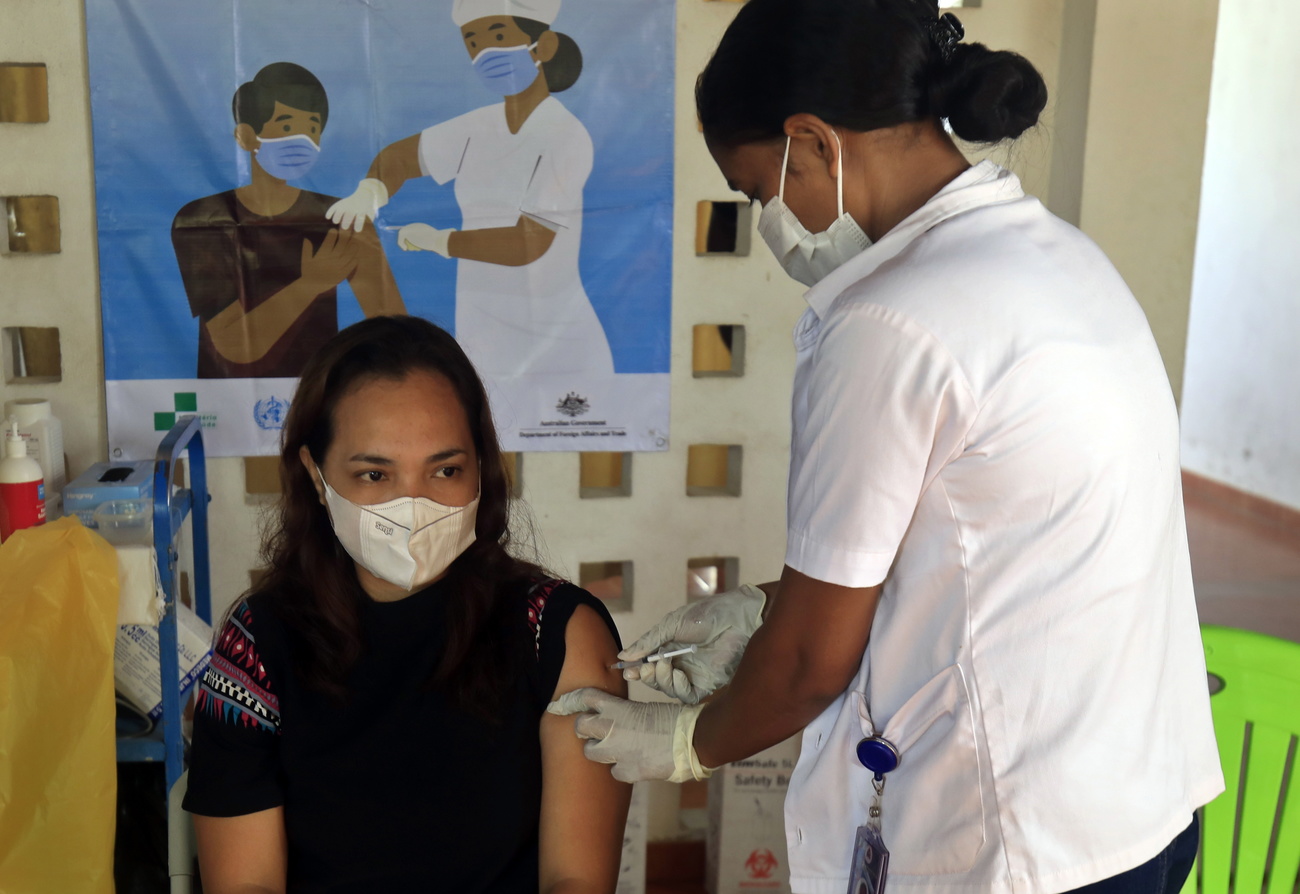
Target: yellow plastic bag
58, 774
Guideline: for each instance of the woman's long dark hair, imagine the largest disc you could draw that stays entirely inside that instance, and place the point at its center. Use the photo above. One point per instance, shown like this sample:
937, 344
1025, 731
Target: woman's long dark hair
862, 65
312, 582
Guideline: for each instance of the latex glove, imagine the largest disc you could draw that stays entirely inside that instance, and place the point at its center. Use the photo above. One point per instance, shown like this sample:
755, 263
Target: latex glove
643, 740
362, 205
720, 625
422, 237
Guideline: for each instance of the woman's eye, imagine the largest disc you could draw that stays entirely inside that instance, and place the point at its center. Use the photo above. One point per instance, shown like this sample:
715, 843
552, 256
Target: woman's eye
372, 475
447, 472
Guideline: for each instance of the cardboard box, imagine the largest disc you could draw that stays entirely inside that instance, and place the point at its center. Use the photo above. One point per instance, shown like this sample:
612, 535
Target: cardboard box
103, 482
745, 845
136, 659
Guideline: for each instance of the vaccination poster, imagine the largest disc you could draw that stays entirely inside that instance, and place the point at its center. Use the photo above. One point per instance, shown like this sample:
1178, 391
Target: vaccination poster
270, 171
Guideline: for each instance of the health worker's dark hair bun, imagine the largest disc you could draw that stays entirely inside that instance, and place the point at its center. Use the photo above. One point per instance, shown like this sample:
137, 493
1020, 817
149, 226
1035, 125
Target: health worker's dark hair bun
987, 95
862, 65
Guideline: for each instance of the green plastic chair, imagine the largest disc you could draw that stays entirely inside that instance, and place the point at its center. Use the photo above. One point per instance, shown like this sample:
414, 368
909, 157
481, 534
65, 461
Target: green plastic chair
1255, 700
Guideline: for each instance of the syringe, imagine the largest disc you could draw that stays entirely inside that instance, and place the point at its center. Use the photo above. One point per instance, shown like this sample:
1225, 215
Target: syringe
651, 659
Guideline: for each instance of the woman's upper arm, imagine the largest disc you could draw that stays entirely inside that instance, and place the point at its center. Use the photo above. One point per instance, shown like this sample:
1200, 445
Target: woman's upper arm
243, 854
583, 806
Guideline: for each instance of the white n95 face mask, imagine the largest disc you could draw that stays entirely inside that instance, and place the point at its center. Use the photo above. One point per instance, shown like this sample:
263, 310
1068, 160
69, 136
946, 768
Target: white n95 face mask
407, 541
810, 257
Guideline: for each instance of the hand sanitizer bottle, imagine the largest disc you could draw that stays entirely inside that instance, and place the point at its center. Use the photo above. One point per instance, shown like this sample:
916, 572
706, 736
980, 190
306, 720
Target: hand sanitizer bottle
22, 486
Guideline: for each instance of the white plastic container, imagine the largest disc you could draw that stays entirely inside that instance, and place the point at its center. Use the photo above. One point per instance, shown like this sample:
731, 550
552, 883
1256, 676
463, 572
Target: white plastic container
43, 433
125, 522
22, 486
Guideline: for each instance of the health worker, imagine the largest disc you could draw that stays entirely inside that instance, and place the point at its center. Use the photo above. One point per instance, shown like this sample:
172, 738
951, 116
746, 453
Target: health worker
519, 167
985, 626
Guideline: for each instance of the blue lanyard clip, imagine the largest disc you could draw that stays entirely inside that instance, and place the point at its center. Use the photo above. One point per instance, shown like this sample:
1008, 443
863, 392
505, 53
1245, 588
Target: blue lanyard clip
878, 755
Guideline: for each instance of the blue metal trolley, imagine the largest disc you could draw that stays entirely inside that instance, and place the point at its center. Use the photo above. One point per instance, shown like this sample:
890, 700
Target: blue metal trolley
170, 508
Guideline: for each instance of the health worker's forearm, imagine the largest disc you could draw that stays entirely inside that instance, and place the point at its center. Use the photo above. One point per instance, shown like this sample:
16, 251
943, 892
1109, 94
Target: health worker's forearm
396, 163
802, 658
514, 246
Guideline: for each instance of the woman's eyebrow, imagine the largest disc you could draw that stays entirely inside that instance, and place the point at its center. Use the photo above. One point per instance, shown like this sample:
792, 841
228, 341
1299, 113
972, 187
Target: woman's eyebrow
377, 460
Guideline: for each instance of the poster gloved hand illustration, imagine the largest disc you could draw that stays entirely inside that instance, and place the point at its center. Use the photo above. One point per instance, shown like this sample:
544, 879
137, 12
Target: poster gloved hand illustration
525, 146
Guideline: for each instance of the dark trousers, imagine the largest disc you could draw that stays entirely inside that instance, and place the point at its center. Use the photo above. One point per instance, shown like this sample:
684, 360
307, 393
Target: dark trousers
1164, 873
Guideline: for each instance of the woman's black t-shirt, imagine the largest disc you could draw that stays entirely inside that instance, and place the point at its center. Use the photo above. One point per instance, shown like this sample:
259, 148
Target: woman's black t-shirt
393, 789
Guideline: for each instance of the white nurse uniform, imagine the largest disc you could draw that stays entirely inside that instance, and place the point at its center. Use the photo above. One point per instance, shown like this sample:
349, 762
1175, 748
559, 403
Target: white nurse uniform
534, 319
982, 422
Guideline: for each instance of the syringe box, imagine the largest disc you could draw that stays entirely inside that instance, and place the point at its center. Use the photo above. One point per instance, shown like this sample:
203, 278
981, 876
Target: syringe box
103, 482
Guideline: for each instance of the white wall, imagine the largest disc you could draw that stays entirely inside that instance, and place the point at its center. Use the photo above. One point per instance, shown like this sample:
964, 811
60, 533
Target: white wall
1142, 159
1241, 397
1070, 109
54, 159
1032, 28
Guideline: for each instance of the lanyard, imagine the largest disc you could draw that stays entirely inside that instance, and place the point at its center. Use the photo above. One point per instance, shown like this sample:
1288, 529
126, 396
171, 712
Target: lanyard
869, 870
878, 755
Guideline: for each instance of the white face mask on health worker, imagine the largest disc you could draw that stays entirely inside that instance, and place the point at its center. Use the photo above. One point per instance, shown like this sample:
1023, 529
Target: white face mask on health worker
810, 257
407, 541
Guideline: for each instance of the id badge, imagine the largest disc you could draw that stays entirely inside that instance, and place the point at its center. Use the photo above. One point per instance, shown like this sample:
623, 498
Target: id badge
870, 862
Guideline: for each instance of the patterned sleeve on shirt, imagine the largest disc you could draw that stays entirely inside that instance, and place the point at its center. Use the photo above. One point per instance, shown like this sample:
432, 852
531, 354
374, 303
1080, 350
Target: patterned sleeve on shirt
236, 688
538, 595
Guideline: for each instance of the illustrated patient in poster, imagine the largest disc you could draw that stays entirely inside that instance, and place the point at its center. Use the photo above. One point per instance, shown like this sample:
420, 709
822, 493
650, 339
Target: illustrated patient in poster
519, 168
261, 263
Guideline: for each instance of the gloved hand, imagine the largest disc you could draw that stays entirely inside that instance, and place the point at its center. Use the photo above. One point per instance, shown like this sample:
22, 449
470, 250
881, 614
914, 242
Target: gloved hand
362, 205
720, 625
422, 237
643, 740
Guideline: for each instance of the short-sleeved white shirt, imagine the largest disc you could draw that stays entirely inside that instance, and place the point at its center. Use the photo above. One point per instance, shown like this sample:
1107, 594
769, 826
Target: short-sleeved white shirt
535, 318
982, 421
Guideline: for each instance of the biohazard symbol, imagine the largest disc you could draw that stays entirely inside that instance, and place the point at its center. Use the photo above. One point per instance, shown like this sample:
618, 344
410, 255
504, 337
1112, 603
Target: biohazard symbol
761, 863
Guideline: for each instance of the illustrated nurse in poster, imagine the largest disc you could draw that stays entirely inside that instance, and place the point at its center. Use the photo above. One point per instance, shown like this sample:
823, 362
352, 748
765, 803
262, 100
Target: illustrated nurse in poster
519, 168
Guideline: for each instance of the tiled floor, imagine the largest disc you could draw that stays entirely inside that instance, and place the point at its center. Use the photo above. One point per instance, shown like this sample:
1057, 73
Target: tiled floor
1245, 559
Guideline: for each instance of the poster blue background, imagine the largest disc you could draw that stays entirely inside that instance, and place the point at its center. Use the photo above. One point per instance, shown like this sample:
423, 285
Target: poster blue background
162, 77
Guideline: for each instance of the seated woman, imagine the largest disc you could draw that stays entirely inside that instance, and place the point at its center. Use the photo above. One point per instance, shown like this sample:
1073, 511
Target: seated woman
373, 719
